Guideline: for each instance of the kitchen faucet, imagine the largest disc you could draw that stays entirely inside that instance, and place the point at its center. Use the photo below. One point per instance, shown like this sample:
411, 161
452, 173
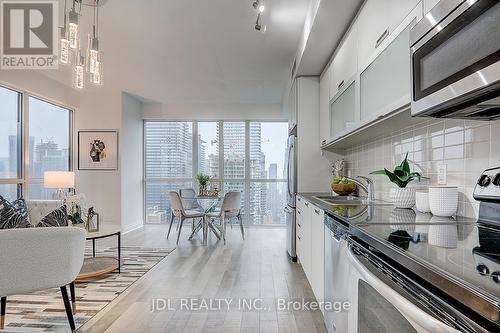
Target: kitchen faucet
368, 188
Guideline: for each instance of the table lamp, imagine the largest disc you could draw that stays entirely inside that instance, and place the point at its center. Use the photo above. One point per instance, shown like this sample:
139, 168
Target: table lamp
59, 180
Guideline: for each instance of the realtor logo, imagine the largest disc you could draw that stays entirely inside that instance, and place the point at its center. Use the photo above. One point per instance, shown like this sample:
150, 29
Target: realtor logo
29, 34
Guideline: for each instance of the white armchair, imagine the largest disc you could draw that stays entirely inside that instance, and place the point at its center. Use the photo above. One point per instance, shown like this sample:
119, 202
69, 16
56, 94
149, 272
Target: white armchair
36, 259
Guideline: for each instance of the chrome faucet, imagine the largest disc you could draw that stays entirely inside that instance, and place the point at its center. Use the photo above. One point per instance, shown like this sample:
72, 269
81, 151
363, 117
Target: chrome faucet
368, 188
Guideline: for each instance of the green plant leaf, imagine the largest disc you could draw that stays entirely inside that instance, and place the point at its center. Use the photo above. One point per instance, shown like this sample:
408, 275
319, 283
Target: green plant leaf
378, 172
393, 178
405, 166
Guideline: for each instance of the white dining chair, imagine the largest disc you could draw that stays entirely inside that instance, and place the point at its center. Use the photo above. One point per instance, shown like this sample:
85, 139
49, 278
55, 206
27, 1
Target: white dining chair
230, 208
181, 213
35, 259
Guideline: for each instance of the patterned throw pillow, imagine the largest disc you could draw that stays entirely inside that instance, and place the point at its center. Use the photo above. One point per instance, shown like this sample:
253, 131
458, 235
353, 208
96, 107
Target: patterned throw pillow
56, 218
13, 215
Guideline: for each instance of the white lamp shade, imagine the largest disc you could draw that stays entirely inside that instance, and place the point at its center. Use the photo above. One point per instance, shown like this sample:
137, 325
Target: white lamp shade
59, 179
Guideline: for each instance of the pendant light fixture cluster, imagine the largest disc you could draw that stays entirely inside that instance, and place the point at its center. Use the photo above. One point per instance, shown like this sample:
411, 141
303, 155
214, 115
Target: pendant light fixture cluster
86, 64
259, 6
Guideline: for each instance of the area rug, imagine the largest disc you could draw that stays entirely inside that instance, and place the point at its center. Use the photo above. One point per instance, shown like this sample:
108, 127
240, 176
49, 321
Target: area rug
44, 311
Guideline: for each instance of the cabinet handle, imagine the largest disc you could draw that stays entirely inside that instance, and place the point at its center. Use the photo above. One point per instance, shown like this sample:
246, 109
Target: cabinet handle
323, 142
316, 211
299, 211
382, 37
299, 237
340, 84
300, 225
298, 199
307, 204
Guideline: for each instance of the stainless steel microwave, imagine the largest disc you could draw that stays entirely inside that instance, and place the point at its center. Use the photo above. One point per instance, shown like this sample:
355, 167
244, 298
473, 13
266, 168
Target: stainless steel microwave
455, 61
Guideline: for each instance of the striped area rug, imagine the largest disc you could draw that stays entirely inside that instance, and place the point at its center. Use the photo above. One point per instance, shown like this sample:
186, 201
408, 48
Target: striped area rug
44, 311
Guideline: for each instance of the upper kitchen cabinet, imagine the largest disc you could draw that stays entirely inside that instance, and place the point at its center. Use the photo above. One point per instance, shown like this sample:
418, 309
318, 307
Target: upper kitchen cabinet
292, 105
376, 21
324, 107
343, 110
385, 82
344, 65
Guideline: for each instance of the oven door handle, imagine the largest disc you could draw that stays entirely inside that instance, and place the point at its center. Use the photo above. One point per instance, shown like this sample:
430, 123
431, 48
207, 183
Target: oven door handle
412, 312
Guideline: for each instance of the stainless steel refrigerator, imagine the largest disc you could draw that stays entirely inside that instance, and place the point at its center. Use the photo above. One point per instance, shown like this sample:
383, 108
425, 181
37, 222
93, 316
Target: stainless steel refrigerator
291, 167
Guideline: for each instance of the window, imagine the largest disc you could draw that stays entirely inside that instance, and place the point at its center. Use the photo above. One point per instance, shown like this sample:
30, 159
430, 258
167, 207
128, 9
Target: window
208, 149
234, 150
252, 162
47, 146
168, 149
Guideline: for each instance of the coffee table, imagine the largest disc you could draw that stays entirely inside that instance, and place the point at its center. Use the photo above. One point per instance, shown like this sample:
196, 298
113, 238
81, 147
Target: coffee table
96, 266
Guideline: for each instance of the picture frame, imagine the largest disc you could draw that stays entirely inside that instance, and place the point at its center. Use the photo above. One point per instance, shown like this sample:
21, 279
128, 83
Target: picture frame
98, 150
93, 223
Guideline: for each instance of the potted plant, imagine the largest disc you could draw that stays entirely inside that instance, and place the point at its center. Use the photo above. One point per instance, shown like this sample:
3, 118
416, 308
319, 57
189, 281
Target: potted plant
402, 196
74, 204
203, 181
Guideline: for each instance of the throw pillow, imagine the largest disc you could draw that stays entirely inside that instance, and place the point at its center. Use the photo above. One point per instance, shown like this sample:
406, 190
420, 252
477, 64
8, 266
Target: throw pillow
13, 215
56, 218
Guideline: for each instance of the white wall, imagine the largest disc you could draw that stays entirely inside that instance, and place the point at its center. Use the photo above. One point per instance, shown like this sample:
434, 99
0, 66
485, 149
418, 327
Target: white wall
101, 109
131, 162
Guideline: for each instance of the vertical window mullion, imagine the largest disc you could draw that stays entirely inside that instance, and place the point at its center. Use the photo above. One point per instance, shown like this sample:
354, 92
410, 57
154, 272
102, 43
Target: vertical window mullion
247, 171
25, 137
221, 155
194, 151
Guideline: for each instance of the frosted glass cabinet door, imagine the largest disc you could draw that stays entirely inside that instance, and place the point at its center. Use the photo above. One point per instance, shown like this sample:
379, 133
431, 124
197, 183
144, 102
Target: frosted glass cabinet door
385, 83
342, 110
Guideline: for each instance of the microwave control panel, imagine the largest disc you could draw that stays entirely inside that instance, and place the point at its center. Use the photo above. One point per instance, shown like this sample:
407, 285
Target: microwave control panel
488, 186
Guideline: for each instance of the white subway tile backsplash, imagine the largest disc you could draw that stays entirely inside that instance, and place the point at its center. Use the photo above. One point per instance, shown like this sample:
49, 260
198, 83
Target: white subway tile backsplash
466, 147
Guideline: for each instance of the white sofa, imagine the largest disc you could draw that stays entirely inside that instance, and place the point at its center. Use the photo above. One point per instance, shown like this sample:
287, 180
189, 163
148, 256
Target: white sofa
38, 209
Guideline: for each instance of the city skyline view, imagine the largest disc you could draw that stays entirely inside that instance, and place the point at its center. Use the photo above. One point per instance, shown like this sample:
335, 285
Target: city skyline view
169, 156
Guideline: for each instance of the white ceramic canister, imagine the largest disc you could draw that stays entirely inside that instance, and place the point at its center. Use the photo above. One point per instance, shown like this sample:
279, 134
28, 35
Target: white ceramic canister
443, 201
422, 201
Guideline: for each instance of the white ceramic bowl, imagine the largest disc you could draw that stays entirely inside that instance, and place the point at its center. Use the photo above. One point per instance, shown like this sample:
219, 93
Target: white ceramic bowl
422, 201
443, 201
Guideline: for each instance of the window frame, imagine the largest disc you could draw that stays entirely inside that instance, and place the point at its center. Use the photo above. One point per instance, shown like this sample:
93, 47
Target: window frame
247, 180
23, 181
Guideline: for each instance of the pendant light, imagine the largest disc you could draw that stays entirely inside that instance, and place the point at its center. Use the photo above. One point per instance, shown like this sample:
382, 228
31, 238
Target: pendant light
78, 72
94, 58
73, 26
64, 41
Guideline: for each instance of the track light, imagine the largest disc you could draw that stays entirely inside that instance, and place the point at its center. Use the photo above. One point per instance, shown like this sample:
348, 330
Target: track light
259, 6
259, 26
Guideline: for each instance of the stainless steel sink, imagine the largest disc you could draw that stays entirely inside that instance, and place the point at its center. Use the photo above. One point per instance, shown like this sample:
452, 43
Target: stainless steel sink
350, 201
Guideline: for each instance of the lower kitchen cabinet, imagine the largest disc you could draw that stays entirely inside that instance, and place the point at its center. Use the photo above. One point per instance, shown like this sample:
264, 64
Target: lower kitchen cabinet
310, 244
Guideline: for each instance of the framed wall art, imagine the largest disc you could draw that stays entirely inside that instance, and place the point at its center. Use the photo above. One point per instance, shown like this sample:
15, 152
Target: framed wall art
98, 150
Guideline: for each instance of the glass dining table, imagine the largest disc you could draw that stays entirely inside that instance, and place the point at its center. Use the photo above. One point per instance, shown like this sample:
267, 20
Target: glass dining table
207, 203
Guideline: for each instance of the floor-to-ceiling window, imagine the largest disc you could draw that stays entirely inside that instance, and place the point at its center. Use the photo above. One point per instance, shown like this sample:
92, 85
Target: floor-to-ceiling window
35, 136
243, 156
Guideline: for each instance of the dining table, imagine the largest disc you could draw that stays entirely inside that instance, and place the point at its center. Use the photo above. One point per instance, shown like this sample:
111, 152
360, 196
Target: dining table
207, 203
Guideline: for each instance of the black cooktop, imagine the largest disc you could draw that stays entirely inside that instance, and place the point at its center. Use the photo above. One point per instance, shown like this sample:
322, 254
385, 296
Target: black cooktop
469, 252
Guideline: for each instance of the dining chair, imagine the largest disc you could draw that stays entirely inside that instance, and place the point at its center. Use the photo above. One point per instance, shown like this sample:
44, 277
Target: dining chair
230, 208
181, 213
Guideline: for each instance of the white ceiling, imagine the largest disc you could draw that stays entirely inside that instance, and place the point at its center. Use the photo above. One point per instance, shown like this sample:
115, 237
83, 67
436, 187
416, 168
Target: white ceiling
192, 51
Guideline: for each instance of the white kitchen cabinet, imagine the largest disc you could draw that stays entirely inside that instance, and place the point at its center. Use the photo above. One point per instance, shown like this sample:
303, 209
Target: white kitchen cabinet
310, 244
324, 107
376, 21
343, 110
385, 82
318, 252
344, 64
292, 105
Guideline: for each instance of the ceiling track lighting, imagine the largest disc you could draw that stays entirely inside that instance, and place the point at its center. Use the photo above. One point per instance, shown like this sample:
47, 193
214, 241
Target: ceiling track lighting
71, 48
259, 6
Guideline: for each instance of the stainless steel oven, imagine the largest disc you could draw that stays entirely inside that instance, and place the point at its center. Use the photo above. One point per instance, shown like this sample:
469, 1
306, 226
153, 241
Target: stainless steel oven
385, 299
455, 61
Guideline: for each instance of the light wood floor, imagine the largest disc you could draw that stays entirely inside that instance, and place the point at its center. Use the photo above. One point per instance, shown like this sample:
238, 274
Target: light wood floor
256, 268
